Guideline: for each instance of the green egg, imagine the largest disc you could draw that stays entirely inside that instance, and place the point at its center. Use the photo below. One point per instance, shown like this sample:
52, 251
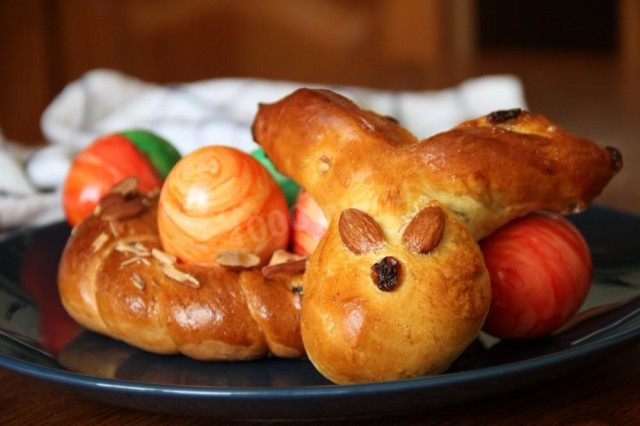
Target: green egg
289, 187
160, 152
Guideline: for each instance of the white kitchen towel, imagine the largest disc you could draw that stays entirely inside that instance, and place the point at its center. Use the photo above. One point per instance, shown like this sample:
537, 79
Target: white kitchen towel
20, 203
220, 112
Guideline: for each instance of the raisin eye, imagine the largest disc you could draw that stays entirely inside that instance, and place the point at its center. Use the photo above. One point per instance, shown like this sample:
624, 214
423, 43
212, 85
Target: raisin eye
497, 117
385, 274
616, 158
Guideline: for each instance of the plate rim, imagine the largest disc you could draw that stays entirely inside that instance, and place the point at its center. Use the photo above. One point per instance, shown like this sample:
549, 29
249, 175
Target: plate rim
68, 377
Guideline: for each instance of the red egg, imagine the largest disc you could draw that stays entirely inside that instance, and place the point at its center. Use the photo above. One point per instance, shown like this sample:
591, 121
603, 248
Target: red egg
309, 224
109, 160
540, 268
219, 198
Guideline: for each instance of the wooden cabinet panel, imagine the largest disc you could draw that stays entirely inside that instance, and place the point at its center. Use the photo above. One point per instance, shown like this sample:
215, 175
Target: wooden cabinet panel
379, 43
24, 68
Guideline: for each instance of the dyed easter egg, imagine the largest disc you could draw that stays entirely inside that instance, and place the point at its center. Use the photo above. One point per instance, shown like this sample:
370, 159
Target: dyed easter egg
110, 159
288, 186
219, 198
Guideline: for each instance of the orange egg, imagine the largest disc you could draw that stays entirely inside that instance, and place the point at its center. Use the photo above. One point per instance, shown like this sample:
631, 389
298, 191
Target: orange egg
219, 198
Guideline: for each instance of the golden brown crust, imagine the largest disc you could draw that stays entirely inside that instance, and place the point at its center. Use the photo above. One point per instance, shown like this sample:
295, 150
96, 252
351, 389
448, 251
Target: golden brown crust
411, 305
354, 332
114, 279
512, 168
488, 172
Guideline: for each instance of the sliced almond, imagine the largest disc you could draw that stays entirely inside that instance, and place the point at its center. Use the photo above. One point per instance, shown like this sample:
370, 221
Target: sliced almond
126, 187
359, 232
155, 192
135, 247
117, 228
99, 241
109, 200
141, 248
291, 268
135, 259
425, 230
282, 256
181, 277
137, 281
124, 210
163, 257
237, 259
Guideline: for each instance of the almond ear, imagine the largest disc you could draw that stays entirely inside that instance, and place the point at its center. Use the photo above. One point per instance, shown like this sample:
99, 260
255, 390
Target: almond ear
425, 230
359, 232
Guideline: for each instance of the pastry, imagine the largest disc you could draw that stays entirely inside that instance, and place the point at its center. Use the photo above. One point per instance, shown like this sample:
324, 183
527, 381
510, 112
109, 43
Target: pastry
397, 287
115, 279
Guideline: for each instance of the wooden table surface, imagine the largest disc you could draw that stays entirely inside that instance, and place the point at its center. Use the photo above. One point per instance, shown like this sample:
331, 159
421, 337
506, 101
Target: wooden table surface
608, 393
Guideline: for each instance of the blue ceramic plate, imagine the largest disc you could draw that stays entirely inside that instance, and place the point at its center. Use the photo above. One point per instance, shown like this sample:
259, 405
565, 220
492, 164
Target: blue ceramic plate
38, 339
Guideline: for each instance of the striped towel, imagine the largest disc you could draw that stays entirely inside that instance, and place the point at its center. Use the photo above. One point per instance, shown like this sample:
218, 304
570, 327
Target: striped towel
209, 112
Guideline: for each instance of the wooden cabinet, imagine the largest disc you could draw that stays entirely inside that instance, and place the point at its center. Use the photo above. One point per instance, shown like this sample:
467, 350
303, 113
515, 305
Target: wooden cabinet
25, 80
379, 43
409, 44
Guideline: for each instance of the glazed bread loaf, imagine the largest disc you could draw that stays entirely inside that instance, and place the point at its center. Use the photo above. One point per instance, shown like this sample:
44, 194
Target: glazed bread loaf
115, 279
397, 287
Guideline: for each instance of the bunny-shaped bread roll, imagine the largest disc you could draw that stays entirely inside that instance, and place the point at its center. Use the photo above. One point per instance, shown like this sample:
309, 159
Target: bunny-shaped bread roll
397, 287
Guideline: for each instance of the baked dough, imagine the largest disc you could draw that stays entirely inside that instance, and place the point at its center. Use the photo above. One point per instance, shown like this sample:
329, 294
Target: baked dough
114, 279
407, 213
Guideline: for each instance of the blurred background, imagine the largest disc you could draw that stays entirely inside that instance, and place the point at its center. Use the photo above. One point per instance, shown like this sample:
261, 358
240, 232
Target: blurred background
579, 61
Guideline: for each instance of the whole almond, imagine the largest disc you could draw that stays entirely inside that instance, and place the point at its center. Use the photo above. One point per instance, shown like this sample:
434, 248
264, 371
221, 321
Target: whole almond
425, 230
359, 232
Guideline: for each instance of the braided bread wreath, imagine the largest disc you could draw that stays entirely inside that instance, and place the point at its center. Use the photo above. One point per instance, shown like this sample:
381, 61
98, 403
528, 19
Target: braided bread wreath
396, 288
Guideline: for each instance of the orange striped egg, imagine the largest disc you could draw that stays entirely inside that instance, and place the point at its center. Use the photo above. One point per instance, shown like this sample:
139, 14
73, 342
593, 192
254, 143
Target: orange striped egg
219, 198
